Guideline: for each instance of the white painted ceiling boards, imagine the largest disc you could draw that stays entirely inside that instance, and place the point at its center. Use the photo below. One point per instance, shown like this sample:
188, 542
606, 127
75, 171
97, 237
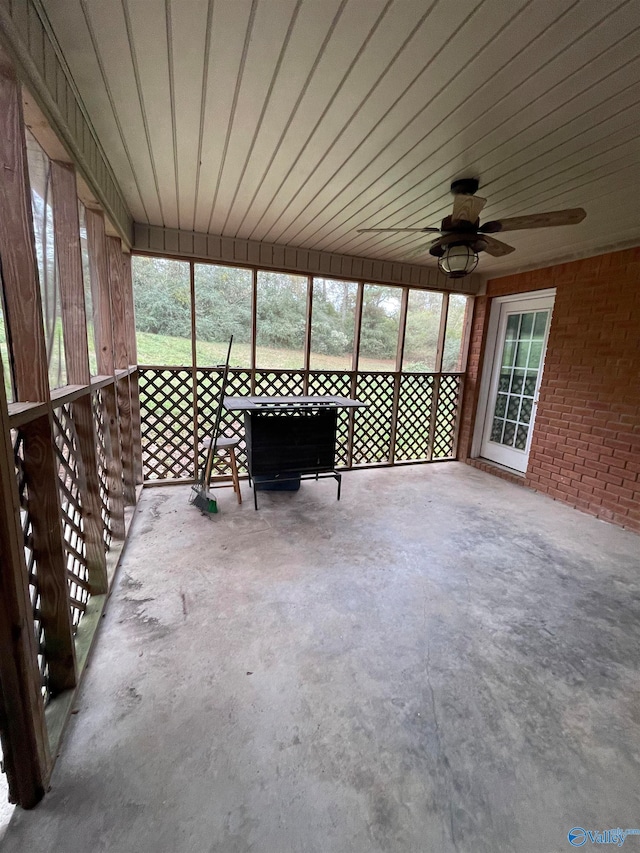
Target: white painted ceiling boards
298, 121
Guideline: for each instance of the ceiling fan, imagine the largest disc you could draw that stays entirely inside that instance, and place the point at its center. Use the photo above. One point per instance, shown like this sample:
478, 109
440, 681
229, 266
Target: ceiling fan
462, 236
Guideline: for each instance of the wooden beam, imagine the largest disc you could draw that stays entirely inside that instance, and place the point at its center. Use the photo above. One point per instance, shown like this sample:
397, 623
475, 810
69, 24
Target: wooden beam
307, 334
134, 387
74, 323
442, 331
357, 327
254, 326
397, 379
121, 360
23, 731
96, 239
17, 248
194, 371
26, 334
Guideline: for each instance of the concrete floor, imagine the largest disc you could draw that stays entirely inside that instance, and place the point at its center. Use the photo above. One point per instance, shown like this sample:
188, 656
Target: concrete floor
440, 662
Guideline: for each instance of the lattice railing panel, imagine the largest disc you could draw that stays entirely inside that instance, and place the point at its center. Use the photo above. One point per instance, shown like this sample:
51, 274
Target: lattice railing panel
446, 417
66, 449
167, 416
337, 385
103, 453
232, 423
372, 429
166, 408
414, 417
31, 562
279, 383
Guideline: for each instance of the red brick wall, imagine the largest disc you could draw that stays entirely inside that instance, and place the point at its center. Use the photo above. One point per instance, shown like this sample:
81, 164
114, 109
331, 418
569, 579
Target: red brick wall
585, 447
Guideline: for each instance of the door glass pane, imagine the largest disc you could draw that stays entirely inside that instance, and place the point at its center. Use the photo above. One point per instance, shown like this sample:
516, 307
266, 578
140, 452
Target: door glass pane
522, 353
520, 365
535, 353
540, 325
332, 324
526, 326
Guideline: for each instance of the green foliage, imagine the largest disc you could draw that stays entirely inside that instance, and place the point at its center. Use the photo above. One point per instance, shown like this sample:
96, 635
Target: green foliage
334, 304
223, 304
281, 310
161, 296
380, 319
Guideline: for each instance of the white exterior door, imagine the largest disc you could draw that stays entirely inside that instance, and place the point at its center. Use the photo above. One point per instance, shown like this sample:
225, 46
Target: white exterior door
514, 380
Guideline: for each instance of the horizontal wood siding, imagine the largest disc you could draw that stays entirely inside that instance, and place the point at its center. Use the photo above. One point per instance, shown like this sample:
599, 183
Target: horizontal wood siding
169, 241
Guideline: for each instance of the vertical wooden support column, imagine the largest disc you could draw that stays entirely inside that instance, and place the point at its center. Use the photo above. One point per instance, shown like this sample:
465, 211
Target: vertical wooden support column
104, 351
354, 368
254, 326
437, 373
121, 361
307, 335
24, 320
74, 323
25, 746
462, 366
134, 386
194, 370
397, 378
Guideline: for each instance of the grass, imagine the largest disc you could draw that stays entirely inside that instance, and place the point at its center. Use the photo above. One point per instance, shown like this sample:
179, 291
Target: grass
167, 350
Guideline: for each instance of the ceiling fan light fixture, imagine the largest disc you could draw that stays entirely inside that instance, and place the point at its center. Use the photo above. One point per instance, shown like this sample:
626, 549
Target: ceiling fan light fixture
458, 260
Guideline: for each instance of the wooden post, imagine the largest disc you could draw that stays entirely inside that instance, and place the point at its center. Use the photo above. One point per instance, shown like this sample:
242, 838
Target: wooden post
132, 349
462, 366
397, 378
25, 746
104, 350
435, 396
24, 321
354, 367
254, 326
74, 323
121, 361
307, 335
194, 370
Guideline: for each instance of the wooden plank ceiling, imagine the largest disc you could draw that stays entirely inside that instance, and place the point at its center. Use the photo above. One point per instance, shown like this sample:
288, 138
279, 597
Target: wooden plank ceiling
299, 121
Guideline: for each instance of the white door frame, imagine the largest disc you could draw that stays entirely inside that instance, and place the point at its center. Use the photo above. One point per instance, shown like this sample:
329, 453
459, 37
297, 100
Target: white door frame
490, 353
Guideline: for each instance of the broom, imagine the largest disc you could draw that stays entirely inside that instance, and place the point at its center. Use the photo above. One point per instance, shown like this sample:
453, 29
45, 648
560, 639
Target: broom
202, 497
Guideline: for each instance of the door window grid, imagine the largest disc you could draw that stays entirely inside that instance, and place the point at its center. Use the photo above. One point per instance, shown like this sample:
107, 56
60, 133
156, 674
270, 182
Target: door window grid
521, 355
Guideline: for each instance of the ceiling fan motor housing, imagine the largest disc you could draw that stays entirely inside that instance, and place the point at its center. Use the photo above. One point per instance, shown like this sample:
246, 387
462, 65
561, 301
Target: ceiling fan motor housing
465, 186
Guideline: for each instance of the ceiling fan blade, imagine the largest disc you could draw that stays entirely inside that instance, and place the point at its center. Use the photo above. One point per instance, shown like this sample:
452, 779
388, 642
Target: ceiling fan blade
398, 230
496, 247
571, 216
466, 208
